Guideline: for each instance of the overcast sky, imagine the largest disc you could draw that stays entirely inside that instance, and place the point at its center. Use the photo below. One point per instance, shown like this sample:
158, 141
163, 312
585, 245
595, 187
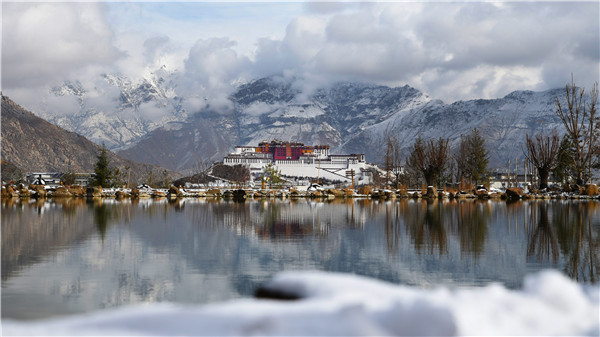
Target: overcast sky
451, 51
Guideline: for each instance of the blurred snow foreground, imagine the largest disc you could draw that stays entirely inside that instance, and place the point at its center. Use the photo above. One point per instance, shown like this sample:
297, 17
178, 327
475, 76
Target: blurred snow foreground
339, 304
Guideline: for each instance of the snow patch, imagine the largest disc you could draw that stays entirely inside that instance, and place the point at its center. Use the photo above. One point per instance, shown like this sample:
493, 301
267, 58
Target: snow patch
341, 304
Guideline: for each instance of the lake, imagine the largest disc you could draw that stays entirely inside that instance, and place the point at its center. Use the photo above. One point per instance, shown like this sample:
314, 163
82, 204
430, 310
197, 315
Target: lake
70, 256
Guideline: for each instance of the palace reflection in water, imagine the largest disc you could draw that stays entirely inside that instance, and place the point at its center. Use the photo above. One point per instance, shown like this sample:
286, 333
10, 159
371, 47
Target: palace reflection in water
75, 255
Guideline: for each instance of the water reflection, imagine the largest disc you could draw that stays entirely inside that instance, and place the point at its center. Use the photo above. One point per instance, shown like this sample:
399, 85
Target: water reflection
577, 232
79, 255
541, 240
424, 222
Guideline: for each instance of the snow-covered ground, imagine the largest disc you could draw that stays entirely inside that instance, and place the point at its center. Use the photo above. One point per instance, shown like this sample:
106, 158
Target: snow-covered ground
341, 304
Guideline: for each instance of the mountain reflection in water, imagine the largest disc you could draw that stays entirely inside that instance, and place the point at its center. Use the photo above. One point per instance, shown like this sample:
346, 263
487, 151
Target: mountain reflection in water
75, 255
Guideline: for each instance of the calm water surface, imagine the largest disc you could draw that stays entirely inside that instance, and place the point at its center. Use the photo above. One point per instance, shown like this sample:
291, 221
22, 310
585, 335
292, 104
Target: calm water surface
72, 256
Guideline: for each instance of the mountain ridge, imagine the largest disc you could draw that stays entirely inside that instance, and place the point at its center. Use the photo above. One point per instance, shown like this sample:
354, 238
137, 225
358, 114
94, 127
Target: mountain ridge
33, 144
353, 118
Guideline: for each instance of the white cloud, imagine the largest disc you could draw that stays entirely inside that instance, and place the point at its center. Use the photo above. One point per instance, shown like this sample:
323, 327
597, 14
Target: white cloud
212, 69
450, 50
46, 41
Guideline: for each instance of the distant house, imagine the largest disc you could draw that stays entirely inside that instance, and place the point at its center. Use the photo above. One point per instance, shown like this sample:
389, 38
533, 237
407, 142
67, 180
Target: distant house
55, 178
44, 178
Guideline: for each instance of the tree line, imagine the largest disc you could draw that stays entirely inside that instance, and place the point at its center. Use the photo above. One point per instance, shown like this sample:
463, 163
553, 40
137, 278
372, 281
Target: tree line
570, 158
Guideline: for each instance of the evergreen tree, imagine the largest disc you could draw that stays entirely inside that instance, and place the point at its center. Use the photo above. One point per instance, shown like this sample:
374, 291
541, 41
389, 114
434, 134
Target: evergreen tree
102, 171
472, 157
479, 156
272, 176
564, 161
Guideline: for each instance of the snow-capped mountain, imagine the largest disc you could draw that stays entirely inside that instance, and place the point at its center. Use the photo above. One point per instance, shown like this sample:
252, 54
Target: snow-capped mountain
118, 111
350, 117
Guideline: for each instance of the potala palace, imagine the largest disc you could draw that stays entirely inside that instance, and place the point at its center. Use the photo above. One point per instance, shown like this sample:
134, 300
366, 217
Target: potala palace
299, 160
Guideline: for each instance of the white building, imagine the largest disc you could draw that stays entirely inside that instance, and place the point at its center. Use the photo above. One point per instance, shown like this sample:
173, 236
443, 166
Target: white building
298, 160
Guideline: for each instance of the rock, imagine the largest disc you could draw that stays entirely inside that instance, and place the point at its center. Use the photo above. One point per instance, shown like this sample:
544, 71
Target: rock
39, 191
93, 191
239, 195
5, 193
76, 191
496, 195
174, 192
24, 192
158, 194
213, 193
431, 192
120, 195
62, 192
513, 193
337, 193
482, 194
316, 194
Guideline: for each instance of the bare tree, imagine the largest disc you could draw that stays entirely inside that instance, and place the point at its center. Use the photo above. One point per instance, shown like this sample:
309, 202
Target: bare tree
392, 160
429, 158
542, 152
461, 156
579, 119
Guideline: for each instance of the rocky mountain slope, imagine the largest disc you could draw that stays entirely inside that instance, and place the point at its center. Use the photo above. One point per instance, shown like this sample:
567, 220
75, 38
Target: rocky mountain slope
351, 117
35, 145
120, 110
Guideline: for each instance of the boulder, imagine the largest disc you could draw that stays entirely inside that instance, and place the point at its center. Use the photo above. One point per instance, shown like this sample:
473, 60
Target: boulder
76, 191
39, 191
158, 194
174, 192
93, 191
213, 193
513, 193
482, 194
120, 195
316, 194
337, 193
62, 192
5, 193
24, 192
431, 192
464, 195
239, 195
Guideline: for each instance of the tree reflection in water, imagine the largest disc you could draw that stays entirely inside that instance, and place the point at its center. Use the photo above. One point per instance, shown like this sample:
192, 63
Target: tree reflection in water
471, 221
578, 238
425, 225
541, 240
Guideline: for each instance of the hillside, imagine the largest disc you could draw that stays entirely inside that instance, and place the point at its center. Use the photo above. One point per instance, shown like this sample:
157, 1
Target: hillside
351, 118
34, 145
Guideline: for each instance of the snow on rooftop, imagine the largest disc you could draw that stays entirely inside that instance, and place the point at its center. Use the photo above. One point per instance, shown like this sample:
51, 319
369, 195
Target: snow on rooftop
342, 304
